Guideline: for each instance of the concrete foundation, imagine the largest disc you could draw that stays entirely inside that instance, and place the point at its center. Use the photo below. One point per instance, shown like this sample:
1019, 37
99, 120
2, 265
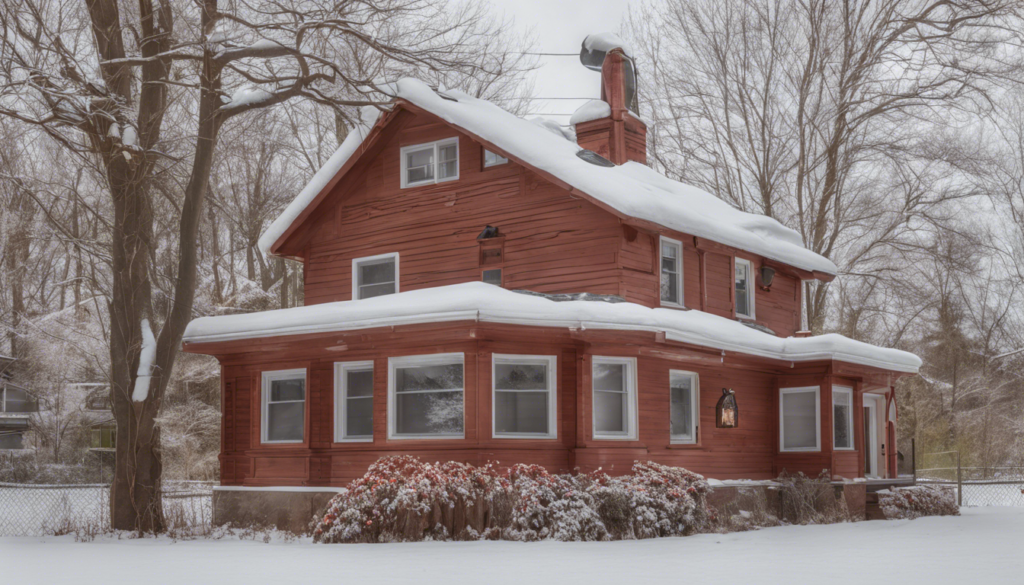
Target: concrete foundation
285, 508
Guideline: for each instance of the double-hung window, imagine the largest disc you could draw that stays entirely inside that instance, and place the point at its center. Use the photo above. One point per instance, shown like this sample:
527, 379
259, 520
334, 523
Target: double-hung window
671, 272
744, 289
524, 396
434, 162
683, 392
800, 419
493, 159
614, 398
842, 418
284, 406
425, 396
375, 276
353, 401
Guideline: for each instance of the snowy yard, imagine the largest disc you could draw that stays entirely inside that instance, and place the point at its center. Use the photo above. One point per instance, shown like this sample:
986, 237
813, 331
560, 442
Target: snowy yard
982, 546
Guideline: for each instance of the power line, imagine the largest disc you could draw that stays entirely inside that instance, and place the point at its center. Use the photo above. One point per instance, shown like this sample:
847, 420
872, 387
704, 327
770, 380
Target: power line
554, 54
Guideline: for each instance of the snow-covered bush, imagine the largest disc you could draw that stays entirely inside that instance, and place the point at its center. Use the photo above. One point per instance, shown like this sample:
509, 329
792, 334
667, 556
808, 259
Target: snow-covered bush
404, 499
916, 501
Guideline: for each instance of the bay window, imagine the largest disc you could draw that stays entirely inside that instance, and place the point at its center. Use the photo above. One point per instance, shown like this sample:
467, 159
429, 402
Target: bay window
426, 397
524, 396
614, 398
842, 418
800, 419
283, 406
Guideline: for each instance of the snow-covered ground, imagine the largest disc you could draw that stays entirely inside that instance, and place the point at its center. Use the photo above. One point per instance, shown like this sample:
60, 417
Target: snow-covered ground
982, 546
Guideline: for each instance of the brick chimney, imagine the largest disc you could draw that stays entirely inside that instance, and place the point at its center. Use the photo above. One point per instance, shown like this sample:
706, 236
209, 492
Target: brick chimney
619, 136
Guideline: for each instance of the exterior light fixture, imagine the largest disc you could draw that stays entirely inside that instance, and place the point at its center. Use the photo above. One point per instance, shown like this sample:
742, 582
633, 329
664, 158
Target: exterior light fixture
767, 276
727, 412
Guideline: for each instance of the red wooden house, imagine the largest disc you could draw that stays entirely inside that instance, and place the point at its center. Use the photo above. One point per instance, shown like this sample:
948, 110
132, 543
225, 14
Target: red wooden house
481, 287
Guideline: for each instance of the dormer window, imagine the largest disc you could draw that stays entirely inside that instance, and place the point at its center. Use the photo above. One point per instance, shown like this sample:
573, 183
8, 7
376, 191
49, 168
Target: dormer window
434, 162
375, 276
744, 289
493, 159
671, 272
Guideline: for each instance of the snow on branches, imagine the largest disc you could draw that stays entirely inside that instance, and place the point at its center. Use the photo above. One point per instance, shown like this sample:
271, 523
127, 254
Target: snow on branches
907, 503
404, 499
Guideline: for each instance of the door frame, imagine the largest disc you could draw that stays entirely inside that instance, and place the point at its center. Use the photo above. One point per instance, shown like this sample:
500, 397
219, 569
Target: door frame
871, 457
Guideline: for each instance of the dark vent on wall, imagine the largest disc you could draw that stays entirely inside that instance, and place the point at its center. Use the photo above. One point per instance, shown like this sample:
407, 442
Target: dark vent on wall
593, 158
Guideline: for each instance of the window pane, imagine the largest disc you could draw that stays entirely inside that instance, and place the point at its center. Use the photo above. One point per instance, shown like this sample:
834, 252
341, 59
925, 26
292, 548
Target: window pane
681, 398
521, 412
449, 161
359, 383
377, 271
669, 287
359, 417
609, 412
10, 439
419, 165
520, 377
283, 390
440, 377
19, 401
430, 413
798, 420
842, 429
376, 290
492, 277
610, 377
742, 299
493, 158
284, 421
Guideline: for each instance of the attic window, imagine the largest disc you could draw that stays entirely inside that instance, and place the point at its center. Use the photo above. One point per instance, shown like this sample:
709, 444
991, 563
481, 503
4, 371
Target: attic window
375, 276
593, 158
493, 159
434, 162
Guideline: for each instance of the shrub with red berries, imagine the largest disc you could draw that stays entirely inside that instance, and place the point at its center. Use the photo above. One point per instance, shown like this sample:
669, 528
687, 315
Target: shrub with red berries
402, 499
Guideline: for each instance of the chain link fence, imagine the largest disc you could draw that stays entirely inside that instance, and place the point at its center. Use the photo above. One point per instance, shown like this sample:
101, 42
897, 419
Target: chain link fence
976, 486
38, 510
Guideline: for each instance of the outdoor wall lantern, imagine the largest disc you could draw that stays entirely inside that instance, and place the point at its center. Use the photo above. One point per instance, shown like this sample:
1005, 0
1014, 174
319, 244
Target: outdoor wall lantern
767, 276
727, 413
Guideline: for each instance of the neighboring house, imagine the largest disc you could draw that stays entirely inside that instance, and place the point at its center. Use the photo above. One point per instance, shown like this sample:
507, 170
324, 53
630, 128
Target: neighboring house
481, 287
17, 405
98, 416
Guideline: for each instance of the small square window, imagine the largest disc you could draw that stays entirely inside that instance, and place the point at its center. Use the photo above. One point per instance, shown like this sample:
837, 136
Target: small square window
524, 396
374, 276
492, 159
434, 162
744, 289
492, 276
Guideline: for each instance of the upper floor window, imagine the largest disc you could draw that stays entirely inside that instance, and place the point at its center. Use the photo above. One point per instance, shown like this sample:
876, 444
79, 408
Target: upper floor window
16, 400
375, 276
492, 159
799, 419
842, 418
433, 162
284, 406
524, 396
353, 401
744, 289
426, 396
683, 391
671, 272
614, 398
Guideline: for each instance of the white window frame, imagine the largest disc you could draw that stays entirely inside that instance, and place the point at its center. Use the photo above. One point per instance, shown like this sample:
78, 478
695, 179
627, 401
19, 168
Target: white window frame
694, 402
631, 399
853, 435
270, 376
341, 401
552, 364
437, 161
434, 359
679, 277
355, 272
750, 288
501, 159
817, 420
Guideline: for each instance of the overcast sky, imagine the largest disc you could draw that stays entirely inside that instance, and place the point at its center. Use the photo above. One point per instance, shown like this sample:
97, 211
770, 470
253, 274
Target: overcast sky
559, 26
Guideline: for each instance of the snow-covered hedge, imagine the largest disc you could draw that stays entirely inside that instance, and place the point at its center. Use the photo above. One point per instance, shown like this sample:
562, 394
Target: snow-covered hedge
916, 501
404, 499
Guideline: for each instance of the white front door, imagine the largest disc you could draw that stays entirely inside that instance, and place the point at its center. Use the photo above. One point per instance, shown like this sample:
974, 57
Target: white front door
870, 445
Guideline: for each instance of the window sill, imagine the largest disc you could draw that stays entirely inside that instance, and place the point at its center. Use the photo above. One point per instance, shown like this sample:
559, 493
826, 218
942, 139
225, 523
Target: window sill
798, 451
426, 437
524, 437
847, 449
353, 440
612, 438
668, 305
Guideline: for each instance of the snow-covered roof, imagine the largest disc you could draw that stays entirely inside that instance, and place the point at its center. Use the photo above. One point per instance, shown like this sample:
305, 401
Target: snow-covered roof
491, 304
592, 110
631, 189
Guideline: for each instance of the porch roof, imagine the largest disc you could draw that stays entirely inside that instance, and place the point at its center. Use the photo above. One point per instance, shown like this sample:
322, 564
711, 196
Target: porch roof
488, 303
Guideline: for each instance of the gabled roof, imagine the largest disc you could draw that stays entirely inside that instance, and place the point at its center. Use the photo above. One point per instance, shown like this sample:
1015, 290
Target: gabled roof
487, 303
632, 190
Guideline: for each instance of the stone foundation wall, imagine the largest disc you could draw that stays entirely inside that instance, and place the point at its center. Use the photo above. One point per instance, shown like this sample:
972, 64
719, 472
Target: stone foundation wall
289, 509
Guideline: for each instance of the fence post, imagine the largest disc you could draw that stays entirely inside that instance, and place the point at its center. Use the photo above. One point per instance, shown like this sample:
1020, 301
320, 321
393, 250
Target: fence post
959, 482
